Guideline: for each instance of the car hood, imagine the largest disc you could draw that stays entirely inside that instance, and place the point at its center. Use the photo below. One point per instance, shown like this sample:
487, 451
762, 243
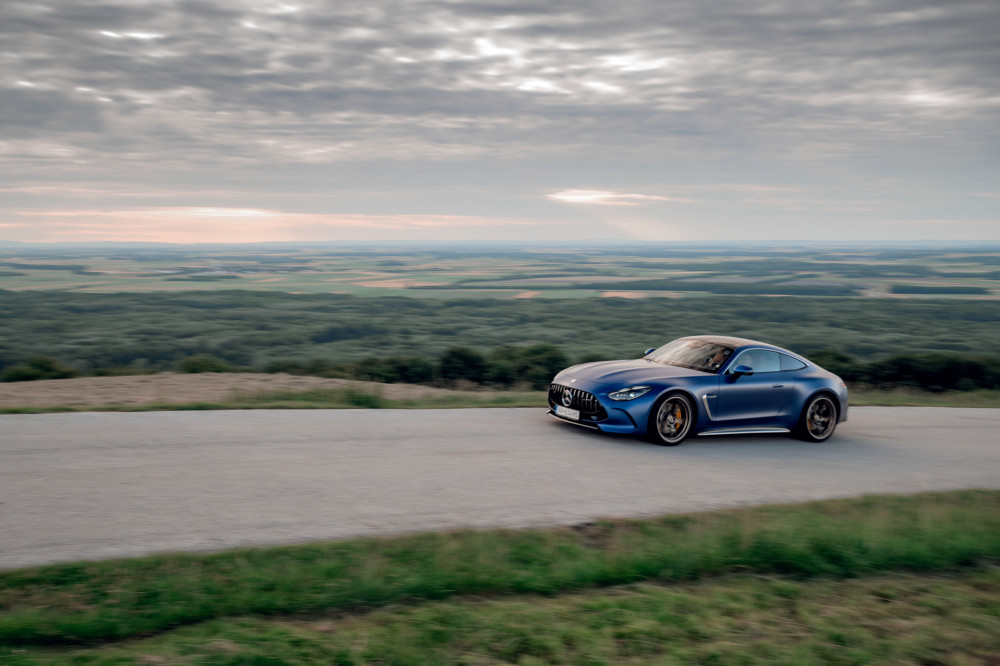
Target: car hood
627, 373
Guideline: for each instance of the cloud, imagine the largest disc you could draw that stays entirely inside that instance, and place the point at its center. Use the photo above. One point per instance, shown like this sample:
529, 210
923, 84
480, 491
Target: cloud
451, 97
357, 80
208, 224
605, 198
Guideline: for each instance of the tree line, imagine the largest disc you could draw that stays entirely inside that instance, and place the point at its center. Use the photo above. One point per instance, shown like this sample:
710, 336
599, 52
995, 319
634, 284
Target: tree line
534, 366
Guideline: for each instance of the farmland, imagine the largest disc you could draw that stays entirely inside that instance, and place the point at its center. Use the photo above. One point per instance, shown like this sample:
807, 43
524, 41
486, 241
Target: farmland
320, 309
511, 272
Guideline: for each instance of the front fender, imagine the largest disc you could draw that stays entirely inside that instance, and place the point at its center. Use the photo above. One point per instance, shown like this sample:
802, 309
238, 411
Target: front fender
642, 422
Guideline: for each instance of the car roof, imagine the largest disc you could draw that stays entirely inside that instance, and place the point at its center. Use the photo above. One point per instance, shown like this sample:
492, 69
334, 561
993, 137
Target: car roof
737, 343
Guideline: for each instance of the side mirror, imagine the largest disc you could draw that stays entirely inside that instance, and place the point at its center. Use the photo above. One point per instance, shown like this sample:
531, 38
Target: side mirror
649, 351
742, 370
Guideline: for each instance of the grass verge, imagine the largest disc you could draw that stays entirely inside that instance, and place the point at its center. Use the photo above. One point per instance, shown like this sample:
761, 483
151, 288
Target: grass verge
741, 619
323, 398
114, 600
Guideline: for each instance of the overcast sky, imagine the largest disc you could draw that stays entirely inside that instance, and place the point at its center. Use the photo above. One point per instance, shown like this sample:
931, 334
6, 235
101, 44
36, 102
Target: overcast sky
245, 120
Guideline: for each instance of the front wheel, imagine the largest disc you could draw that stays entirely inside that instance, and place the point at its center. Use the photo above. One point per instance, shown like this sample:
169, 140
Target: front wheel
672, 420
818, 420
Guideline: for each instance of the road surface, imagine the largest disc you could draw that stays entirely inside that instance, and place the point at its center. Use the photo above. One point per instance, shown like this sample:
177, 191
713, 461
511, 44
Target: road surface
103, 485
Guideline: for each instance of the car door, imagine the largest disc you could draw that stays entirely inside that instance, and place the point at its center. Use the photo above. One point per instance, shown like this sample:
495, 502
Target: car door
754, 397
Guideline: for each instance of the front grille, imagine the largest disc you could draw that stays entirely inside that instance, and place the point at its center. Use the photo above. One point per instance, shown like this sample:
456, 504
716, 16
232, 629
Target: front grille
587, 403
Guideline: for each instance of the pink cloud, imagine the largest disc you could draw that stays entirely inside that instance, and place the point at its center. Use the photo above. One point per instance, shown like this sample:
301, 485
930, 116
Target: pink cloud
240, 225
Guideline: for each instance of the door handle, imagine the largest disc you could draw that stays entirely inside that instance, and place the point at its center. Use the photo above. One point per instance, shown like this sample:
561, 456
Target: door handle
777, 386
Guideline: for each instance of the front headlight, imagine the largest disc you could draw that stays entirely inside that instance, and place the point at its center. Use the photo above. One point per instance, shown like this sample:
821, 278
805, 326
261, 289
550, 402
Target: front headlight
630, 393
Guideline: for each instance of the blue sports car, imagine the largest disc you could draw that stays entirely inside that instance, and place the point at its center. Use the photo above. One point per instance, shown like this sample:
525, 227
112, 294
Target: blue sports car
703, 385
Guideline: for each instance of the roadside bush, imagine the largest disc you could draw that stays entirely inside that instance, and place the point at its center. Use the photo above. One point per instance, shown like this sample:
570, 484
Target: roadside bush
289, 366
363, 399
501, 371
840, 364
38, 367
203, 363
538, 364
396, 370
936, 373
928, 372
463, 363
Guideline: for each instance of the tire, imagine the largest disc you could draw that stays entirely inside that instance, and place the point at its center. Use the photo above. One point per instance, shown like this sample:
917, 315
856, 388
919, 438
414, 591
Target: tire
672, 420
819, 419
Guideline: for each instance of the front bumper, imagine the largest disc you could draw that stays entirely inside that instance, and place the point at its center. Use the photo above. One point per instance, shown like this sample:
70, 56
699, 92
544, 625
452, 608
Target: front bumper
595, 412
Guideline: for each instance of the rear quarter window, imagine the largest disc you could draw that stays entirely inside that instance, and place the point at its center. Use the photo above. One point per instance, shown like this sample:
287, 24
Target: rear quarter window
789, 363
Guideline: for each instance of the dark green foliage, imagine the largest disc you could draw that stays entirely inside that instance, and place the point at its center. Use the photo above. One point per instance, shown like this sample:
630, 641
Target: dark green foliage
363, 399
463, 363
928, 372
203, 363
395, 369
347, 332
534, 365
37, 367
538, 364
334, 335
937, 372
502, 360
839, 364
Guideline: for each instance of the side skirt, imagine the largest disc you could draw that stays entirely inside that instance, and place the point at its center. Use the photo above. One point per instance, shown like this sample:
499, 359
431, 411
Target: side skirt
745, 431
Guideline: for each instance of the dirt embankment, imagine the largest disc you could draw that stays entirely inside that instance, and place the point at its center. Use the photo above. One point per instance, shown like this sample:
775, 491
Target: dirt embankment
169, 387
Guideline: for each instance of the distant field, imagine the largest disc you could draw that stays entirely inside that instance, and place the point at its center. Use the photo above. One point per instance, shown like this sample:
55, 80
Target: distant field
254, 307
505, 274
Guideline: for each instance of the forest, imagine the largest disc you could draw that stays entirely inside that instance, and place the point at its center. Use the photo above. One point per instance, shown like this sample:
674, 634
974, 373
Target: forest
932, 344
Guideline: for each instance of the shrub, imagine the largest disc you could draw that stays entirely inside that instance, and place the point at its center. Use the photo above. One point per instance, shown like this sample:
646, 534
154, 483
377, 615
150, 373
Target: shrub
289, 366
203, 363
463, 363
395, 369
38, 367
538, 364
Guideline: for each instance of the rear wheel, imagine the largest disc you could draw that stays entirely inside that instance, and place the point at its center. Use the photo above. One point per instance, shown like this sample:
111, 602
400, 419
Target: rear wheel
672, 420
819, 419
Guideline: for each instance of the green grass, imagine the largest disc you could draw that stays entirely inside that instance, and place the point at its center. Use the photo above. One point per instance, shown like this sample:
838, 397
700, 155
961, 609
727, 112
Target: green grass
82, 603
736, 620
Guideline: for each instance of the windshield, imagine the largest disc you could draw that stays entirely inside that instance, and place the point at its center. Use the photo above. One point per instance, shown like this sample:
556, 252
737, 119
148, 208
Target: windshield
693, 354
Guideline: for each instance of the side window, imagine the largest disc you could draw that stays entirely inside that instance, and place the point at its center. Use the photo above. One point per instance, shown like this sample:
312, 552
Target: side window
789, 363
760, 360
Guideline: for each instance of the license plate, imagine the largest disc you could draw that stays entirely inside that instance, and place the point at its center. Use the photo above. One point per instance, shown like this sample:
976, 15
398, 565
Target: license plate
568, 413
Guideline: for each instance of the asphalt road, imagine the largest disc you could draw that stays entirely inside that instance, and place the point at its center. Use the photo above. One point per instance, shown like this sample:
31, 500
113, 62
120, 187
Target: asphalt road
102, 485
